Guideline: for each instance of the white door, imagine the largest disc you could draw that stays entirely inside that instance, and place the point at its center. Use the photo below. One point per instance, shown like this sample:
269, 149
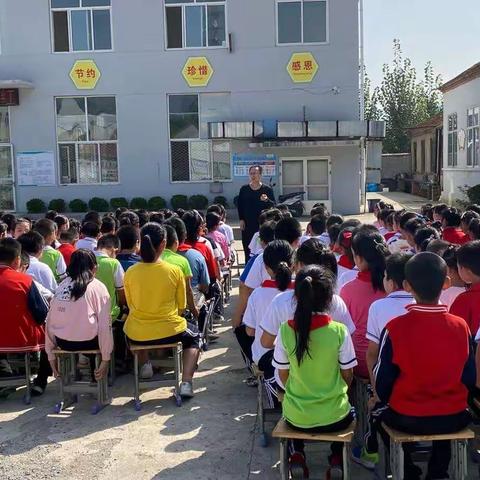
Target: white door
7, 183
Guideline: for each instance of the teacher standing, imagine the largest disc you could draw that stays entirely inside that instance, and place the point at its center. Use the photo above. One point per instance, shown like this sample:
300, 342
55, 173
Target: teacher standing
252, 200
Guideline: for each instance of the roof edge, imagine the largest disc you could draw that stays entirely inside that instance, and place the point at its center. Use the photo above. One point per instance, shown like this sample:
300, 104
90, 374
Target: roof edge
465, 77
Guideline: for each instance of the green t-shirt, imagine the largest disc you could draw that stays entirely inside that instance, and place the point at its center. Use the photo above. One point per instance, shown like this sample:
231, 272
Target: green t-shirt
174, 258
316, 394
110, 273
54, 259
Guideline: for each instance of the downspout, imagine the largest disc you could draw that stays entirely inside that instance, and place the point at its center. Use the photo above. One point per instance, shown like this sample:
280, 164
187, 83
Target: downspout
363, 144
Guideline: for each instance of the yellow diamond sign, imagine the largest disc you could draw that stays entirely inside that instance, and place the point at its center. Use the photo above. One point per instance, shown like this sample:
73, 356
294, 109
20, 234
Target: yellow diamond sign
302, 67
85, 74
197, 71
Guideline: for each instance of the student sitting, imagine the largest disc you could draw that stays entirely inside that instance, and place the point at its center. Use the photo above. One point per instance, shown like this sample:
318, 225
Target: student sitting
21, 226
384, 227
316, 229
223, 228
452, 232
68, 241
129, 244
271, 215
369, 252
457, 285
155, 292
467, 217
51, 257
89, 233
213, 223
63, 224
426, 389
108, 226
32, 244
79, 316
397, 242
474, 229
314, 356
347, 270
409, 229
423, 236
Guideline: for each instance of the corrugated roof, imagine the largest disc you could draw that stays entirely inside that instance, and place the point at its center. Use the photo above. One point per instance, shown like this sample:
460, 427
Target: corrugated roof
435, 121
464, 77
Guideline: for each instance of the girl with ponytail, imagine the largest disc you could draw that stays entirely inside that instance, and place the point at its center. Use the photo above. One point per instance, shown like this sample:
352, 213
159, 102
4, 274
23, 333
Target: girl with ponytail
457, 285
346, 264
315, 357
369, 253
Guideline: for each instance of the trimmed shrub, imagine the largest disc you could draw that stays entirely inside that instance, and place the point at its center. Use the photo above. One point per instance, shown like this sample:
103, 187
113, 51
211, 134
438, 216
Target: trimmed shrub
58, 204
221, 201
157, 203
98, 204
119, 202
36, 205
138, 203
179, 201
473, 194
77, 205
199, 202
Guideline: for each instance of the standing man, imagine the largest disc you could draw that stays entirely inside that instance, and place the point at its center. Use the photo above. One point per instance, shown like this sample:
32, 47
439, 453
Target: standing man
252, 200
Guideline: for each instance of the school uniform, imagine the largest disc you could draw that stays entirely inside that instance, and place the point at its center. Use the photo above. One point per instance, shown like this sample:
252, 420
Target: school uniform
128, 259
206, 251
66, 249
89, 243
257, 274
467, 306
448, 296
344, 265
255, 246
455, 235
398, 244
324, 238
42, 274
227, 230
54, 259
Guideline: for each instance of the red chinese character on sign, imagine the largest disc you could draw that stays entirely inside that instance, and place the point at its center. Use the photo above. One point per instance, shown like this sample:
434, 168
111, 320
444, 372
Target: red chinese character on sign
79, 72
191, 70
296, 66
91, 73
307, 65
203, 70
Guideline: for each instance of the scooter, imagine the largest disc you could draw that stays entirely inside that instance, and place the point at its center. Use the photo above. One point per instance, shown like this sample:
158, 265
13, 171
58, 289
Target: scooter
294, 202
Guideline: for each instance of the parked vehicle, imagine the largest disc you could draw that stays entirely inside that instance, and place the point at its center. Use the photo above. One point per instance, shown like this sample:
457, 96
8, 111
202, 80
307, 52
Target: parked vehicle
294, 202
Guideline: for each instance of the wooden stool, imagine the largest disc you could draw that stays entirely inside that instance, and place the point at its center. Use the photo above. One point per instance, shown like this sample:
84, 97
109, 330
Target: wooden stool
284, 432
70, 387
459, 450
177, 350
21, 380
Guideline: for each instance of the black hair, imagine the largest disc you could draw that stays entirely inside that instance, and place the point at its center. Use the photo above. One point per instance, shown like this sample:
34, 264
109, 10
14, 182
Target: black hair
32, 242
314, 293
382, 205
143, 217
128, 236
423, 236
82, 271
468, 256
151, 237
51, 214
314, 252
20, 220
450, 256
438, 209
212, 220
365, 228
288, 229
390, 218
266, 233
10, 250
278, 256
318, 224
334, 220
473, 208
372, 248
215, 209
352, 222
283, 208
193, 221
119, 211
395, 268
452, 217
437, 246
172, 237
271, 214
9, 219
333, 232
45, 227
69, 235
92, 217
3, 228
109, 225
110, 240
344, 240
427, 211
426, 273
384, 214
319, 210
75, 224
179, 226
405, 217
90, 229
260, 168
474, 229
25, 260
61, 220
157, 217
468, 216
129, 218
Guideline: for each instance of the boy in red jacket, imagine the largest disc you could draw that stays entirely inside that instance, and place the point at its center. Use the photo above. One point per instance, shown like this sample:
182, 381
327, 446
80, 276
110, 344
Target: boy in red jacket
425, 388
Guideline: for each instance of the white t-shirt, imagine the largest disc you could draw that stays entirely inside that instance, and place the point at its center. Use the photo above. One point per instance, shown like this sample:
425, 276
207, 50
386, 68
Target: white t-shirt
449, 295
324, 238
386, 309
227, 230
255, 246
283, 306
257, 274
88, 242
346, 276
398, 244
42, 274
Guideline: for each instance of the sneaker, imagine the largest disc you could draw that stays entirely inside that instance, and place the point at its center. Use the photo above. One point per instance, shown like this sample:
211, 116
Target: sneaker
365, 459
335, 471
83, 361
297, 466
186, 390
252, 381
5, 368
146, 372
217, 318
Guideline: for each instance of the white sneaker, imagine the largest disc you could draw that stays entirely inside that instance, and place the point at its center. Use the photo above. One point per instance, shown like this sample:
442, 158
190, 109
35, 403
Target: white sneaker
83, 361
186, 390
146, 372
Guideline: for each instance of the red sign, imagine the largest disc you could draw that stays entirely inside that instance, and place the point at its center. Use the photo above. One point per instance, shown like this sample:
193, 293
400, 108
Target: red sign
9, 97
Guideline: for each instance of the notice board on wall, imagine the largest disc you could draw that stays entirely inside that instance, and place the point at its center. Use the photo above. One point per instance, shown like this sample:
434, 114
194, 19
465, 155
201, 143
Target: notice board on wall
242, 162
36, 169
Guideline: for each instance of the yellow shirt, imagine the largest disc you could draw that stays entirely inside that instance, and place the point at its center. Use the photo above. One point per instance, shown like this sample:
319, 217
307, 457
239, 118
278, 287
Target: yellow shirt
155, 293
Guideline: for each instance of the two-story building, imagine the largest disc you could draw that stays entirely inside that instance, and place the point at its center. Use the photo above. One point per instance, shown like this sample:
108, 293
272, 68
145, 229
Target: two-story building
115, 98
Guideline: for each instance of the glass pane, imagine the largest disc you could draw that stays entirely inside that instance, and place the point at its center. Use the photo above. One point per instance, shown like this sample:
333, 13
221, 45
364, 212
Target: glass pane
216, 26
6, 172
68, 164
81, 30
7, 201
174, 27
184, 125
317, 193
195, 26
96, 3
65, 3
60, 32
180, 1
109, 162
317, 172
315, 21
222, 167
200, 161
292, 174
88, 167
102, 118
71, 119
289, 22
101, 30
4, 125
183, 103
180, 162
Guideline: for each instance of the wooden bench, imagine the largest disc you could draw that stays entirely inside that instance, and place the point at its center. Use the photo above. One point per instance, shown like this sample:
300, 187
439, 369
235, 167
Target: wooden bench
459, 450
177, 363
284, 432
70, 386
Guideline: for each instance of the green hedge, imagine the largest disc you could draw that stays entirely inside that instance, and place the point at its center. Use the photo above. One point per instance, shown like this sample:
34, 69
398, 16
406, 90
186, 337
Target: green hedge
58, 204
98, 204
138, 203
221, 200
36, 205
179, 201
78, 206
199, 202
118, 202
157, 203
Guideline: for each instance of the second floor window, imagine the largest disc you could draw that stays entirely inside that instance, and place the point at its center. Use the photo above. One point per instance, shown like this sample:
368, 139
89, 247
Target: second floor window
81, 25
195, 24
473, 137
452, 140
302, 21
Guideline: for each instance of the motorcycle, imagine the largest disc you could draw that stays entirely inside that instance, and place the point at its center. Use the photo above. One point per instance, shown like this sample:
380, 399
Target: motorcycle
294, 202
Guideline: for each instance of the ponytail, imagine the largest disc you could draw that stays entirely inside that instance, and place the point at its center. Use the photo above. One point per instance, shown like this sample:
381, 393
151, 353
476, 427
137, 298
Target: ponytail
151, 237
283, 276
81, 271
147, 251
278, 257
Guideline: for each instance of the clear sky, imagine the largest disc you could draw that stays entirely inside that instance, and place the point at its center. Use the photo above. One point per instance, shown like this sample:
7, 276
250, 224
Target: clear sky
444, 31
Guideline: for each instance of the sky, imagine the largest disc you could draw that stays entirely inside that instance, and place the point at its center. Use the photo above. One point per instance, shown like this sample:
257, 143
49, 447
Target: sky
444, 31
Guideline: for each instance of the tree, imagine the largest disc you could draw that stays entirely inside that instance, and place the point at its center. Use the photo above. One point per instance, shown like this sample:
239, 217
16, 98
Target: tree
372, 111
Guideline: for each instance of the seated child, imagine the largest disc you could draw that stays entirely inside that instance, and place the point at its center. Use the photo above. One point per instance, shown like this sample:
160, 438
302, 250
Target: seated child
397, 243
425, 389
467, 217
213, 223
79, 316
452, 232
423, 236
129, 244
21, 226
389, 221
457, 285
474, 229
315, 357
383, 226
63, 224
68, 241
346, 265
89, 234
271, 215
409, 229
437, 212
108, 226
316, 228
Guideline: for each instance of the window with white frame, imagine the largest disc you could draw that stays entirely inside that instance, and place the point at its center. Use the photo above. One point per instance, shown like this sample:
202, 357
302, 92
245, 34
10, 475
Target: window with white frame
302, 21
7, 188
87, 140
81, 25
195, 23
452, 140
193, 159
473, 136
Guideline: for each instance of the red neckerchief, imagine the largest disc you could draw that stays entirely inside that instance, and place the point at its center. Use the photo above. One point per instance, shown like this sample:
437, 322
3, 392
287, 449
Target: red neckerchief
273, 284
318, 321
345, 262
184, 247
365, 276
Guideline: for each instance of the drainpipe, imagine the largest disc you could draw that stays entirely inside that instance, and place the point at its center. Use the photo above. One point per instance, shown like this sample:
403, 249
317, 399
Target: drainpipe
363, 145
